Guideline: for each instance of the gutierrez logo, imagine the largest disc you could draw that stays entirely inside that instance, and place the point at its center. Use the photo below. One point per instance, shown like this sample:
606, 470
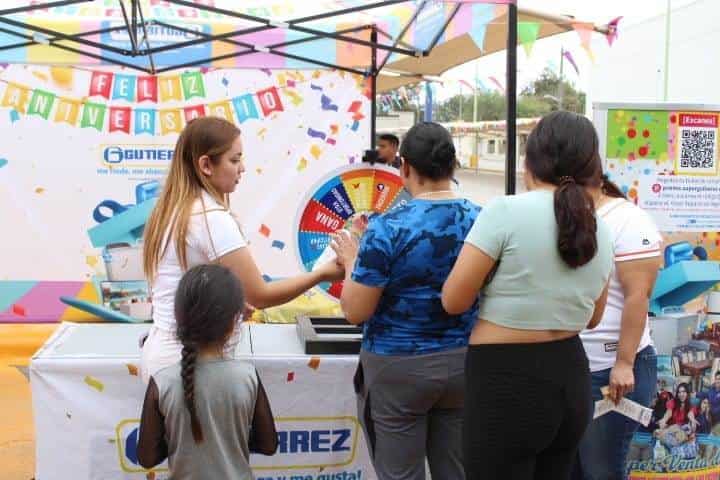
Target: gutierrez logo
126, 439
136, 156
312, 442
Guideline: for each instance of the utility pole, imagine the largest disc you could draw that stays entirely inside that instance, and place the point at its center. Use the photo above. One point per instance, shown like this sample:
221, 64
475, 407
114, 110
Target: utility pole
666, 70
561, 87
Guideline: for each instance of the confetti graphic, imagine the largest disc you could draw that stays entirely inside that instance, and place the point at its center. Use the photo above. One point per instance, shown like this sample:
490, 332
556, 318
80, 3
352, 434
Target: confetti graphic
19, 310
14, 116
278, 244
316, 87
302, 165
331, 141
39, 190
3, 162
91, 260
290, 376
327, 104
355, 126
315, 151
132, 369
316, 133
355, 106
94, 383
291, 83
314, 363
264, 230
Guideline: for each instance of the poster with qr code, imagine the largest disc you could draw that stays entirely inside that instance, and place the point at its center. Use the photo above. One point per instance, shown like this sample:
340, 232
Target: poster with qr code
697, 150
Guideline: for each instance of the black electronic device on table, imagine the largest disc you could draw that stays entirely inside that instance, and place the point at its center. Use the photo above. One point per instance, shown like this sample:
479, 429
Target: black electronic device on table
328, 335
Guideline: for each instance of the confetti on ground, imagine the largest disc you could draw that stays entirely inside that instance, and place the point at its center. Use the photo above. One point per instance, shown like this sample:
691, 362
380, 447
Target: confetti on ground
91, 260
327, 103
14, 116
316, 87
358, 116
225, 81
264, 230
262, 132
302, 165
315, 151
355, 126
290, 376
94, 383
331, 141
355, 106
314, 363
19, 310
278, 244
316, 133
334, 129
291, 83
39, 190
316, 74
132, 369
3, 162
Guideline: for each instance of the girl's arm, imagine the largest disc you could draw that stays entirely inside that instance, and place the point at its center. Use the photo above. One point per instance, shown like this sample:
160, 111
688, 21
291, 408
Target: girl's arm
466, 278
263, 437
152, 447
262, 294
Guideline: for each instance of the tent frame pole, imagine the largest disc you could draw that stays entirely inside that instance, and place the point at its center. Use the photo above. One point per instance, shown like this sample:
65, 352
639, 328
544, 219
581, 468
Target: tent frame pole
511, 102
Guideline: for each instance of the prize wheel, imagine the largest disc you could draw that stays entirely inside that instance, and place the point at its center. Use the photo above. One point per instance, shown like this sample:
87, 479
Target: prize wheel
342, 197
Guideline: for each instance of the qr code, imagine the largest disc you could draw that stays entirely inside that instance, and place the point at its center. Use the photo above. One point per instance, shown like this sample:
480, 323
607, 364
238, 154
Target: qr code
697, 149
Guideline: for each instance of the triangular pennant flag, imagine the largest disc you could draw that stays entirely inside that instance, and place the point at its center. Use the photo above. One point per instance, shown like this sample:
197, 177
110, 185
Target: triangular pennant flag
527, 34
613, 30
467, 84
590, 53
584, 30
497, 84
568, 56
480, 16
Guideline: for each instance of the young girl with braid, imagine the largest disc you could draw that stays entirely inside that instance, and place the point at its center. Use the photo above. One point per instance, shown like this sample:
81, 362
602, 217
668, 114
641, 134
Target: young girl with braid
206, 413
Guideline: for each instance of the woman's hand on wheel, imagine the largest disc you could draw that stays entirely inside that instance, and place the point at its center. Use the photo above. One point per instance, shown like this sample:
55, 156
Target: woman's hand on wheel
345, 246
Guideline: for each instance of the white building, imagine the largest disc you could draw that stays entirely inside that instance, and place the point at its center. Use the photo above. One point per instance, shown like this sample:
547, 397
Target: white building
633, 69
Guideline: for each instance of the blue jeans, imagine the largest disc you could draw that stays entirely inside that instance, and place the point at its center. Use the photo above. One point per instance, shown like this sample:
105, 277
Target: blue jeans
605, 445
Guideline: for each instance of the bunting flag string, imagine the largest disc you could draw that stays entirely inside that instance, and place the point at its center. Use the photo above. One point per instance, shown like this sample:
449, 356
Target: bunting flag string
585, 30
91, 113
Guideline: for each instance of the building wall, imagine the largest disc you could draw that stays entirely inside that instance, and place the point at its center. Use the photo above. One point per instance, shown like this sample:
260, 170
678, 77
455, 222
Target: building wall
632, 70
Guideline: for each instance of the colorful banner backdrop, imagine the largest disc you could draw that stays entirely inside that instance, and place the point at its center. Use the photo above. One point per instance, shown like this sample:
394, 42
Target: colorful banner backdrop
77, 172
666, 161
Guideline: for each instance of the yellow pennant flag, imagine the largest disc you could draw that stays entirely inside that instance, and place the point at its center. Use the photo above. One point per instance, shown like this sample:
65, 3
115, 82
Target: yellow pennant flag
170, 88
67, 111
170, 121
15, 97
222, 110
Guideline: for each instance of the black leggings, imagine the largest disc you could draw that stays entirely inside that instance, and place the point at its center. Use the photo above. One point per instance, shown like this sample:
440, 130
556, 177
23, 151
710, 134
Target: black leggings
526, 409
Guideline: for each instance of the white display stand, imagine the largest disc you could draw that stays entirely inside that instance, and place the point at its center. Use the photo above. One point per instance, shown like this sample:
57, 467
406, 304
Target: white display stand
87, 398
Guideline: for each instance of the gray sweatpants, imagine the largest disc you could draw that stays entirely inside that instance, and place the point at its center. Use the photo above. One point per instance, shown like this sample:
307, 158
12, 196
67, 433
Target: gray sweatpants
411, 407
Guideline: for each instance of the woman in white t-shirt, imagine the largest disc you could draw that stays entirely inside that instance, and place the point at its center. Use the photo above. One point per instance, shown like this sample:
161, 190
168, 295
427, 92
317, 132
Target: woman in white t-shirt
619, 349
192, 224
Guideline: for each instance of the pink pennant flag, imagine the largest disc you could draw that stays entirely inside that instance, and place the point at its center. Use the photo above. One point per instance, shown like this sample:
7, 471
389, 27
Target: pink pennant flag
613, 30
497, 84
568, 56
463, 82
584, 30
